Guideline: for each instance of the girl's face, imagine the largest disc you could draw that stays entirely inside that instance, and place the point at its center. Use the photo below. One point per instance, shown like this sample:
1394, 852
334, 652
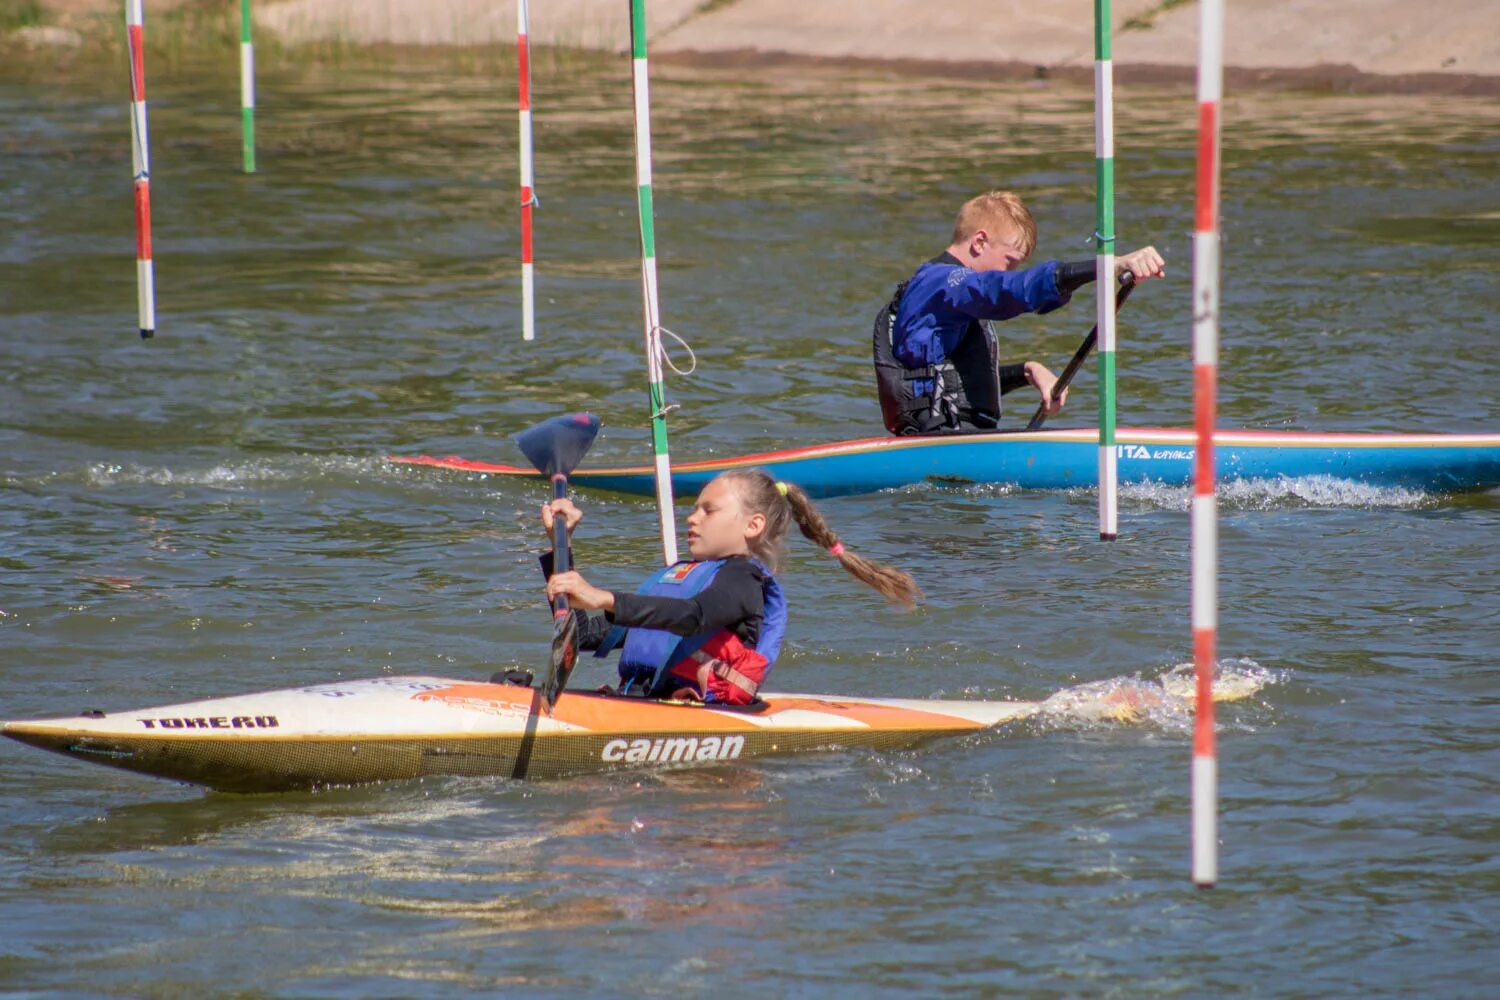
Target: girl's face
719, 527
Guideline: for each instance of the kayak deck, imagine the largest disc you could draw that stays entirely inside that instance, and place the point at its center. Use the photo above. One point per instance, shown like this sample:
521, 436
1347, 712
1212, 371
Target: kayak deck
410, 727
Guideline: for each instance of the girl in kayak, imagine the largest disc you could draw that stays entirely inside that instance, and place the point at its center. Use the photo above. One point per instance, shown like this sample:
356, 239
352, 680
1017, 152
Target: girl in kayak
708, 629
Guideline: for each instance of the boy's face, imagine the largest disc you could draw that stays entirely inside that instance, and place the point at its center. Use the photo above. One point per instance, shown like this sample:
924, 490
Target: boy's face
997, 249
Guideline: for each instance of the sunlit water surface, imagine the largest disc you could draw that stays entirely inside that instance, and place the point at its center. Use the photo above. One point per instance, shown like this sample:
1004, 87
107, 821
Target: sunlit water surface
208, 513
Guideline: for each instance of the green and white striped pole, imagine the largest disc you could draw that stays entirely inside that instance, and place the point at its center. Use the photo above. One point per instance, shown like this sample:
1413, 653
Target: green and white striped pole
650, 308
247, 86
1104, 260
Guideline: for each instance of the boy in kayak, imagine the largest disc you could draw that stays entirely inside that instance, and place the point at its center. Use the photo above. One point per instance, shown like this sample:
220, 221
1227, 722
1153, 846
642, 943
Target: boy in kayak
936, 354
708, 629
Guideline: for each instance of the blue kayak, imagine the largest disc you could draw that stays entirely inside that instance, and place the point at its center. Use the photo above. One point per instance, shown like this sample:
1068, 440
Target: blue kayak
1060, 459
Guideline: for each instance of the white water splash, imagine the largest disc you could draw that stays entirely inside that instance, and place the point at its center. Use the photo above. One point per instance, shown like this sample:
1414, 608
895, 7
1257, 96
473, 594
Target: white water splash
236, 475
1165, 701
968, 489
1282, 493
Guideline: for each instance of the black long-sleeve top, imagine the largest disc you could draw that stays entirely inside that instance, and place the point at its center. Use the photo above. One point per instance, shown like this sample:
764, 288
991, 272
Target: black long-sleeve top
734, 600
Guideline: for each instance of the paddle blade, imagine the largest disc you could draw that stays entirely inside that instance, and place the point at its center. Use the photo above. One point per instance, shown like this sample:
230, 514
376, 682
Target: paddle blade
556, 446
564, 655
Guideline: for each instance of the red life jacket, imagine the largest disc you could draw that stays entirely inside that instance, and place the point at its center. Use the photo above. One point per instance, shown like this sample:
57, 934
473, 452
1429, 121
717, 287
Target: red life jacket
723, 670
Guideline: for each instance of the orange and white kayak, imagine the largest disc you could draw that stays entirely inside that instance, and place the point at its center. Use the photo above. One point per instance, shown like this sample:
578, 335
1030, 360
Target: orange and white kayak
407, 727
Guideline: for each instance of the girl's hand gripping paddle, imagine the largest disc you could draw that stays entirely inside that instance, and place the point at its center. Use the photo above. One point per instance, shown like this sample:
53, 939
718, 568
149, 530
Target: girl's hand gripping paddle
556, 447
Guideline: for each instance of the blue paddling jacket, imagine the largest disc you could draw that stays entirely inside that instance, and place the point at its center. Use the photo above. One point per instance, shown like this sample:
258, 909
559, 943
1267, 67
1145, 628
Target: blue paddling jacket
936, 354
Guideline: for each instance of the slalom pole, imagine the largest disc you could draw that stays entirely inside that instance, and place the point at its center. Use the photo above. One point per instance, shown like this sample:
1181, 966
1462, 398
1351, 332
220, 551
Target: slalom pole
140, 156
247, 87
1104, 263
1205, 529
650, 308
528, 196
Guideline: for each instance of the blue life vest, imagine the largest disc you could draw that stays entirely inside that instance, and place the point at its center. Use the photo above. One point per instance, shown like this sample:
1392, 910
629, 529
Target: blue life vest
648, 651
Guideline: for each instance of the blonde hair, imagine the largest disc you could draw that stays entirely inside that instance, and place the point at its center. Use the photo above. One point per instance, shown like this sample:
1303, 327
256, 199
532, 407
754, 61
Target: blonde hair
991, 211
784, 503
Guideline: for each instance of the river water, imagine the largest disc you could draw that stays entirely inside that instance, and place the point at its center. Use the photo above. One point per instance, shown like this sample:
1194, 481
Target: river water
208, 513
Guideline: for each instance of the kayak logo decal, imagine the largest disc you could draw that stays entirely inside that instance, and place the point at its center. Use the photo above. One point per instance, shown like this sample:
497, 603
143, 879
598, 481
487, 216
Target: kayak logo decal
214, 722
472, 703
673, 748
1141, 451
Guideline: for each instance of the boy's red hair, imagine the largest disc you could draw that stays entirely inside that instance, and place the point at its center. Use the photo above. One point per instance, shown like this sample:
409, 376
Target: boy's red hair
995, 210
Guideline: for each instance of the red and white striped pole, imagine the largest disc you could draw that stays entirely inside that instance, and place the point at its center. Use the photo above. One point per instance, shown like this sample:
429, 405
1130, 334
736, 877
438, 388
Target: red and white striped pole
1205, 545
528, 196
140, 155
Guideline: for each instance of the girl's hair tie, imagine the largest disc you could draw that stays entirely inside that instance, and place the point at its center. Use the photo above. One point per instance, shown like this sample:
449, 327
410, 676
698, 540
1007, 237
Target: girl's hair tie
836, 549
781, 488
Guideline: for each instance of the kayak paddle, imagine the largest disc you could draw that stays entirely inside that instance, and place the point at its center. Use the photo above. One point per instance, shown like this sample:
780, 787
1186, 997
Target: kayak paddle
556, 447
1127, 283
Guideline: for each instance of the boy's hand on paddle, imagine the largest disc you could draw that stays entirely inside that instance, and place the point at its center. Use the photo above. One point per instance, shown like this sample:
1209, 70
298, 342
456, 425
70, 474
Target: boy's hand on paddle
1041, 376
1143, 263
579, 592
571, 515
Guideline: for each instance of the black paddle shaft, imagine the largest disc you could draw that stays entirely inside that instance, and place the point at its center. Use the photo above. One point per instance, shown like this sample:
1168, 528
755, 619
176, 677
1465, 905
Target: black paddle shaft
564, 653
561, 558
1127, 285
